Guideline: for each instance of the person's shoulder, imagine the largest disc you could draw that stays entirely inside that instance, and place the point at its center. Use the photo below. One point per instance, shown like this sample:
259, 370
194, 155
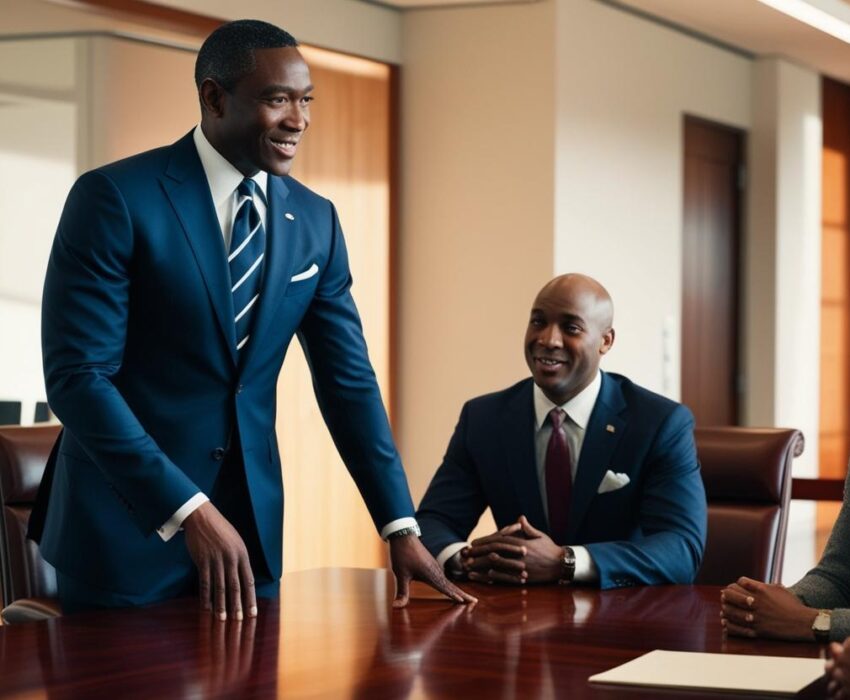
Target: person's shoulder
303, 193
644, 400
496, 399
155, 159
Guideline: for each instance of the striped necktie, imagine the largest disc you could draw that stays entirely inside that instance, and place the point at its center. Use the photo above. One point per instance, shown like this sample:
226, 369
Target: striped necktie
247, 250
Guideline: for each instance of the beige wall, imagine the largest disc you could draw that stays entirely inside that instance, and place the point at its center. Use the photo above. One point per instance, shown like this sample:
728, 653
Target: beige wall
624, 84
38, 158
783, 276
477, 210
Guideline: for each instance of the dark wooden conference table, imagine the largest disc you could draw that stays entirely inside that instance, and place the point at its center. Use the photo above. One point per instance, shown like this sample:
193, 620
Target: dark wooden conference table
333, 634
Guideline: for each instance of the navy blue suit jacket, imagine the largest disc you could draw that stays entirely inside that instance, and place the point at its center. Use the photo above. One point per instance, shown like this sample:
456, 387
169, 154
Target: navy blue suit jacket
141, 366
650, 531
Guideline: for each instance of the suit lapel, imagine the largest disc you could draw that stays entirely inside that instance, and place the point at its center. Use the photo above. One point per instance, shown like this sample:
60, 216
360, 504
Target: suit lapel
517, 441
281, 238
186, 187
599, 444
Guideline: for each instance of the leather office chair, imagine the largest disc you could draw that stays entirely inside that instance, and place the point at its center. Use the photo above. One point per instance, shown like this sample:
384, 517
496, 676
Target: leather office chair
28, 582
747, 477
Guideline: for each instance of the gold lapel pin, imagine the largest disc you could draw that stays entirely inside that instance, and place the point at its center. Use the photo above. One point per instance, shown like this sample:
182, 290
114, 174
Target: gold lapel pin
610, 428
289, 216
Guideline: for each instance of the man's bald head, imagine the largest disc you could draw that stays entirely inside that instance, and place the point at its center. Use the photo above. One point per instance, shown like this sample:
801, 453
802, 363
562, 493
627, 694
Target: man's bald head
569, 330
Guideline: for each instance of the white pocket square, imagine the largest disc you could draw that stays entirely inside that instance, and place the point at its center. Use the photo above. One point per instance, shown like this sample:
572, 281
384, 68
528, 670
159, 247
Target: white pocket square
307, 274
612, 481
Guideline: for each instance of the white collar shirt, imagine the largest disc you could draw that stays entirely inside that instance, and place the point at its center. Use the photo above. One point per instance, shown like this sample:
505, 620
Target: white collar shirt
223, 179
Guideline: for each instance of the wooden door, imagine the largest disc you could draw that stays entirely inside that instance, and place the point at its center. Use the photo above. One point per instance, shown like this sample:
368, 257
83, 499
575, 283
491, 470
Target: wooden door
711, 234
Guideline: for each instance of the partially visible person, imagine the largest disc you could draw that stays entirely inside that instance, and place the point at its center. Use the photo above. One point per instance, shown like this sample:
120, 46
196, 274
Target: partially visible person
590, 477
838, 671
816, 608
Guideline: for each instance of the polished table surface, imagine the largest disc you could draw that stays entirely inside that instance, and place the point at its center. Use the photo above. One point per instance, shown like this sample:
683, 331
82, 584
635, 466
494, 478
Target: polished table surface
333, 634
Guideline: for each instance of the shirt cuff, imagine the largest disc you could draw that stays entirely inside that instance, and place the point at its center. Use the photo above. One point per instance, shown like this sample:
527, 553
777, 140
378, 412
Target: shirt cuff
172, 525
396, 525
586, 571
449, 552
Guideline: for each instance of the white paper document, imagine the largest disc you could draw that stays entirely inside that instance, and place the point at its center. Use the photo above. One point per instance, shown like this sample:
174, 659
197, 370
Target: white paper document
778, 675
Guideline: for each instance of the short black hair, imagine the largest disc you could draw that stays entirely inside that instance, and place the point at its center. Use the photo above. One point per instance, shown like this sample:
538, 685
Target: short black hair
228, 53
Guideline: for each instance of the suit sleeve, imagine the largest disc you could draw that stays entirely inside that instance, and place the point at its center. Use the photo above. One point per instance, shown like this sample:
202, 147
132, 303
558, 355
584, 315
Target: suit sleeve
347, 390
455, 500
827, 586
672, 515
84, 327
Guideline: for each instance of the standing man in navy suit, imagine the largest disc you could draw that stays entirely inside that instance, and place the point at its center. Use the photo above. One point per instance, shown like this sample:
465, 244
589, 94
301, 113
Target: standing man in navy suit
590, 477
175, 284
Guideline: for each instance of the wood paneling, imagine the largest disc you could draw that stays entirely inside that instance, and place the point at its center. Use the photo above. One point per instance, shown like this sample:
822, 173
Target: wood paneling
345, 157
710, 242
835, 296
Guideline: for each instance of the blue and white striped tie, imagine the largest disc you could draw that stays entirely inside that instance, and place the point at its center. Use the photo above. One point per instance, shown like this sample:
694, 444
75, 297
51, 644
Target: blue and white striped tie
247, 250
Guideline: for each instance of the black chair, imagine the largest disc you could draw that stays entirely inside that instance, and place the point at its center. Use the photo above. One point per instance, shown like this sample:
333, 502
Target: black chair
28, 581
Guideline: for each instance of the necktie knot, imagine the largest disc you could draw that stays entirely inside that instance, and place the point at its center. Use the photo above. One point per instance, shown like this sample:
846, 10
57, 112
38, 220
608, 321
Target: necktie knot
246, 188
556, 417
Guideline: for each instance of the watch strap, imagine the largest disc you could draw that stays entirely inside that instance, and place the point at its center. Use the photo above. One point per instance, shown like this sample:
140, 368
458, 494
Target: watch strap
568, 567
404, 532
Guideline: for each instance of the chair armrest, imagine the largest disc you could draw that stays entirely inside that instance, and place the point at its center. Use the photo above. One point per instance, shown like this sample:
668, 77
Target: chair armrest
30, 610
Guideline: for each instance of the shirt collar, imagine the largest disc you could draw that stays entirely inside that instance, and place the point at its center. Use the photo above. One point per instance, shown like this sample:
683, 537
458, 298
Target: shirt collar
222, 177
577, 408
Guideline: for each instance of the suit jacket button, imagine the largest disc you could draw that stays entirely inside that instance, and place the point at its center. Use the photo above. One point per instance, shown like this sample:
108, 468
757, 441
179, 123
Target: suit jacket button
239, 389
218, 454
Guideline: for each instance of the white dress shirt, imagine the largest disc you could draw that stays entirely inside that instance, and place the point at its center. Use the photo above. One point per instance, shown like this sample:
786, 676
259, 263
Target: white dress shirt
223, 180
578, 410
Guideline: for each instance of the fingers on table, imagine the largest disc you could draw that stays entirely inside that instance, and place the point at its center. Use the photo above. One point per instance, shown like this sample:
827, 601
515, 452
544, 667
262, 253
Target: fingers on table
402, 593
226, 584
205, 586
740, 601
249, 591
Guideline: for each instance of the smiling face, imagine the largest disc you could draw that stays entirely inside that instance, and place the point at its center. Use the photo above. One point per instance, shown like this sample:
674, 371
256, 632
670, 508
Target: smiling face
569, 331
258, 124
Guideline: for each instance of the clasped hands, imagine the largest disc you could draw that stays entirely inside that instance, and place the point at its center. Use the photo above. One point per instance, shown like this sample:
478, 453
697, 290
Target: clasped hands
517, 554
750, 608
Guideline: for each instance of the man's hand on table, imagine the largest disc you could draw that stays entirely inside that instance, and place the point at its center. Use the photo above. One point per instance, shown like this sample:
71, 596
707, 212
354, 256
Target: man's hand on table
751, 608
226, 582
838, 671
410, 561
516, 554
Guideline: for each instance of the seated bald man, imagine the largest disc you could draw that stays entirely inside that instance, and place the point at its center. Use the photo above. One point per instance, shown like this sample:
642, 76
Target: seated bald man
590, 478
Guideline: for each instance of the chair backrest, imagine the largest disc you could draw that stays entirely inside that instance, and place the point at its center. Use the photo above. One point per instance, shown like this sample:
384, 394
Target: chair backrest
23, 456
747, 477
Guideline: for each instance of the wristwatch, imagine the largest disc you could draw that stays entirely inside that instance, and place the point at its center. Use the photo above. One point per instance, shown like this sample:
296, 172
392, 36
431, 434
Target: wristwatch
568, 567
820, 627
411, 530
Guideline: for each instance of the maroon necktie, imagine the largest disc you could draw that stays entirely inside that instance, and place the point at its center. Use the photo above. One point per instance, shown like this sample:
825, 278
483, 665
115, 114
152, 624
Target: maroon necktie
559, 480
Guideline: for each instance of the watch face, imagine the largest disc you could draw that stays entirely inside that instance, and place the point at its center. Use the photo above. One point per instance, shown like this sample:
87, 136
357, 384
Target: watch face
821, 623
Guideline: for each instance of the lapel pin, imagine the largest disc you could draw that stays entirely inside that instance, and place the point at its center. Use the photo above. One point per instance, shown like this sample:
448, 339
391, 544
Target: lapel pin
610, 428
289, 216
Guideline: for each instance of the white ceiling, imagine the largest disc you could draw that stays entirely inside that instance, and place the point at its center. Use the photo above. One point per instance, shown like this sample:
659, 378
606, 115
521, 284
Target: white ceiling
759, 29
746, 24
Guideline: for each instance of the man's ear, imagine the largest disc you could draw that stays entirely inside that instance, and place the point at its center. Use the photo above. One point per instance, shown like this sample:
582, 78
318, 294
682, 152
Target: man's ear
213, 97
607, 341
